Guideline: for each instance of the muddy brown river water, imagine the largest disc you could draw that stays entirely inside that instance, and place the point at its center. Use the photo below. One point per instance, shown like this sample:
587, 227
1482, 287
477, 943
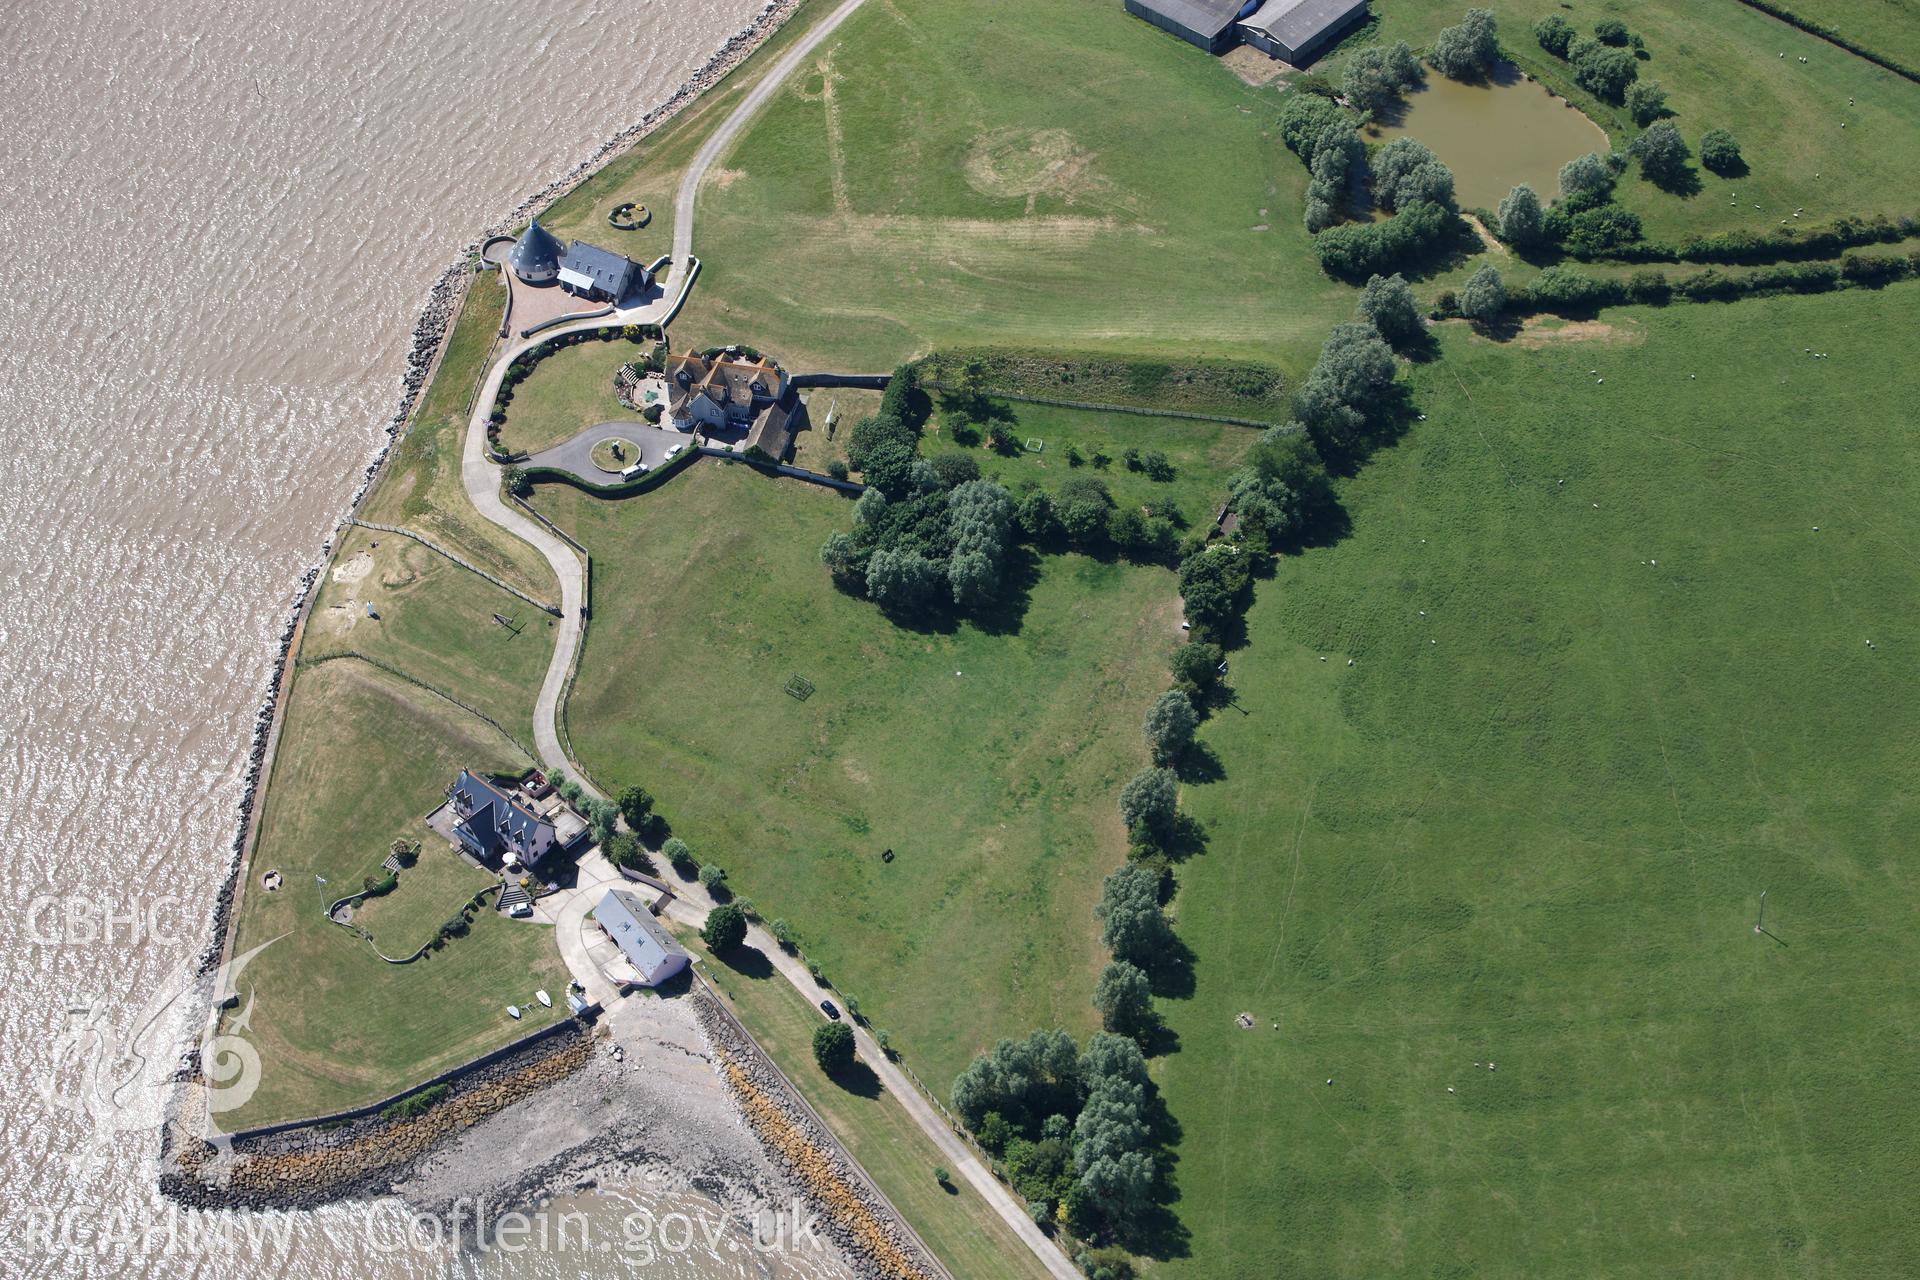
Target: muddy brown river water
221, 221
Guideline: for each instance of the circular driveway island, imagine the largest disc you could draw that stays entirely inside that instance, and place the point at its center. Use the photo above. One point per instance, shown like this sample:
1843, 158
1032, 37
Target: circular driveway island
614, 454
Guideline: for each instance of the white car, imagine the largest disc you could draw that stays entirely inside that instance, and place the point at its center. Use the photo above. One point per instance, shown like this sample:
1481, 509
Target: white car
520, 910
637, 469
673, 452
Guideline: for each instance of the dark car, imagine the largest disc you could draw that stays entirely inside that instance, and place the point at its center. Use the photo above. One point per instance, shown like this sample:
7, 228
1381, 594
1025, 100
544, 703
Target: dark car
826, 1007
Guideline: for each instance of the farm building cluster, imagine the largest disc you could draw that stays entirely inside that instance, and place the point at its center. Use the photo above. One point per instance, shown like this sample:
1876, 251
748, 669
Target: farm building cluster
1294, 31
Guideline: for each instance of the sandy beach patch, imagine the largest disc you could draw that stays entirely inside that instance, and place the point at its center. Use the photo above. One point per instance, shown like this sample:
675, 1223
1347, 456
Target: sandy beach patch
354, 568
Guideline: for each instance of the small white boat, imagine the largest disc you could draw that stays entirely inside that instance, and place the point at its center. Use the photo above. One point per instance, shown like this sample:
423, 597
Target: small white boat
513, 1011
546, 1001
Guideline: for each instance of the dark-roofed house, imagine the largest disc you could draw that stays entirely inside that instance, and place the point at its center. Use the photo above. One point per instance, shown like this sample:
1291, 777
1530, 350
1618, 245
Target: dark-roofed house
593, 272
1298, 31
653, 952
773, 433
1207, 23
492, 823
721, 391
536, 255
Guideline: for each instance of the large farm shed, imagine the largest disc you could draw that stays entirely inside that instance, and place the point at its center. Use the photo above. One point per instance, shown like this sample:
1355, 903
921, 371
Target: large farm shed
1207, 23
1295, 31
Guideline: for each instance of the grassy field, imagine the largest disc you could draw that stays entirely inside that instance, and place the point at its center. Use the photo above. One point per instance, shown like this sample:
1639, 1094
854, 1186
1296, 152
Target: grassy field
362, 757
1890, 28
436, 623
421, 489
1609, 684
957, 1225
566, 393
1718, 61
649, 172
1049, 171
1202, 454
988, 760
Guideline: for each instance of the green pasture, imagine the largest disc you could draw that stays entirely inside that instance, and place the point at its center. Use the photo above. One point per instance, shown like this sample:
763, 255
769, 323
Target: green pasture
1046, 172
987, 758
438, 622
1611, 680
1890, 28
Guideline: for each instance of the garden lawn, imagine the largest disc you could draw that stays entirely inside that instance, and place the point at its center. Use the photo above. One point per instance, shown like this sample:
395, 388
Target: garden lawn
420, 487
361, 758
1202, 454
1048, 172
436, 623
961, 1228
1719, 62
989, 761
431, 892
566, 393
1497, 881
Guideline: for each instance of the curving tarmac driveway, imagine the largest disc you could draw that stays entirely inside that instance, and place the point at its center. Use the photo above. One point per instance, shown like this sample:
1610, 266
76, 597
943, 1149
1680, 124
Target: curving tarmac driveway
481, 479
576, 455
722, 138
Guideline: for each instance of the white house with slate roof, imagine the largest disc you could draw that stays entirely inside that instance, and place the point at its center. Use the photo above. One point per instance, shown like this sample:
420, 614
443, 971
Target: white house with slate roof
643, 940
496, 824
581, 268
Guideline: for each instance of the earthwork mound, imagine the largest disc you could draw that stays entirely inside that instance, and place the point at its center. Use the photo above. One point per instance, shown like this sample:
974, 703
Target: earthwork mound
1028, 162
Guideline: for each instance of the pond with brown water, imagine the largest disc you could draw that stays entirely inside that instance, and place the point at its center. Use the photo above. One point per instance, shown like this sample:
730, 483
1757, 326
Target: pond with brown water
1494, 135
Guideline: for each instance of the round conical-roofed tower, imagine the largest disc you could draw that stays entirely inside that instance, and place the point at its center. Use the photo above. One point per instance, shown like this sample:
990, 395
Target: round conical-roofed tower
536, 255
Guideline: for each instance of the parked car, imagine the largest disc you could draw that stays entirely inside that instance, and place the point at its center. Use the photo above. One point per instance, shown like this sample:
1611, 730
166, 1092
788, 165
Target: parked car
520, 910
826, 1007
673, 452
637, 469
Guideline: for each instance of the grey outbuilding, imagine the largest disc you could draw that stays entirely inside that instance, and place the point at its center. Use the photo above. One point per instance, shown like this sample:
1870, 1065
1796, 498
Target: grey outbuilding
653, 952
1298, 31
593, 272
1206, 23
1294, 31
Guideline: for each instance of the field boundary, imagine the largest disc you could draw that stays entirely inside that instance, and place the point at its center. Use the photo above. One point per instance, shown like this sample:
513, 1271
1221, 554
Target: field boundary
786, 469
1834, 38
553, 609
1095, 406
390, 669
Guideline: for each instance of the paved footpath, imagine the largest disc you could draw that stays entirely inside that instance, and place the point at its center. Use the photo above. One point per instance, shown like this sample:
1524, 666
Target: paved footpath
720, 139
690, 907
481, 478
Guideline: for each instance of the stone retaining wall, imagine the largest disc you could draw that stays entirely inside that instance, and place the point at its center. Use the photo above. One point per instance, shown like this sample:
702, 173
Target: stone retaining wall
869, 1231
304, 1165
